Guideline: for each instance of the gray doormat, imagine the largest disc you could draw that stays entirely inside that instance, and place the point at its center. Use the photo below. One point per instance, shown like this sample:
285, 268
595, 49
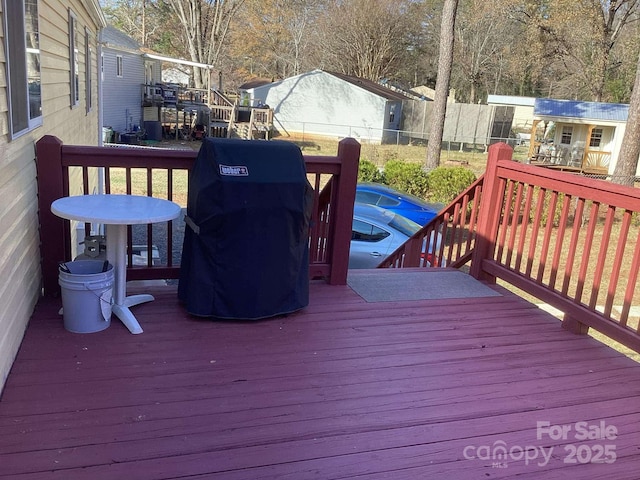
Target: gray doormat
394, 285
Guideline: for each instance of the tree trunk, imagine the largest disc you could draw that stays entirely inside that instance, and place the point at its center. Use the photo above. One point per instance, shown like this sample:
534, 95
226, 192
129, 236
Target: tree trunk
445, 61
627, 164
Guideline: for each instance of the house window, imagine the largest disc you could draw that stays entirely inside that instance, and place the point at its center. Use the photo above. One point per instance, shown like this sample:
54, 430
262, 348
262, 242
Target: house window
22, 53
73, 60
87, 73
119, 66
567, 133
596, 137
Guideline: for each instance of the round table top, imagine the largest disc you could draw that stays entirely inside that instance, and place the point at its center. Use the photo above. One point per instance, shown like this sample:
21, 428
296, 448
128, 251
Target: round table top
115, 209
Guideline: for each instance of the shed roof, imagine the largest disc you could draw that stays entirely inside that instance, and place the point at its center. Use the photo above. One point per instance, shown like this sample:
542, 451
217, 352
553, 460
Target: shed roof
371, 86
511, 100
612, 112
117, 39
254, 82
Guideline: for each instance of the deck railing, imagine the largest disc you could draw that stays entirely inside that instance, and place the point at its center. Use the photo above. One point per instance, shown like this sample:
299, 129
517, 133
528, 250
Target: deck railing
164, 173
569, 240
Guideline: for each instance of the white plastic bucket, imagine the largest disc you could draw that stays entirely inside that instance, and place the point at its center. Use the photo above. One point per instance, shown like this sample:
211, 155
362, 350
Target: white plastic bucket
87, 292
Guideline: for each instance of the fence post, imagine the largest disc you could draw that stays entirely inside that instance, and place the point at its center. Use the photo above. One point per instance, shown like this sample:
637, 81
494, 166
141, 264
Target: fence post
50, 188
490, 211
349, 155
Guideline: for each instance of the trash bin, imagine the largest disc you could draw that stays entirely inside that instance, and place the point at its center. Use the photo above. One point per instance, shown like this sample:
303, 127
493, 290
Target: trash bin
245, 254
153, 130
107, 134
87, 290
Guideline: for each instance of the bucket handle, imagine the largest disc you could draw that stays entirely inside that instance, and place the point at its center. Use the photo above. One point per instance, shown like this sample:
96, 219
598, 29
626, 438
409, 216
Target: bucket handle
101, 298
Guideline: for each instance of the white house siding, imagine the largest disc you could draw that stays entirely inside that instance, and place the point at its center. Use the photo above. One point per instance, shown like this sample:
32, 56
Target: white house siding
19, 236
122, 96
319, 103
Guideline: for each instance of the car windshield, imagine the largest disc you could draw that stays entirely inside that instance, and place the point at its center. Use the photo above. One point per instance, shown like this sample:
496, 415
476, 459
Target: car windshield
404, 225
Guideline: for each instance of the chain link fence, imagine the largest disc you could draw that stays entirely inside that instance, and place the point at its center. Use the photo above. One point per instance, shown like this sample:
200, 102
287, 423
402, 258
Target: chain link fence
382, 145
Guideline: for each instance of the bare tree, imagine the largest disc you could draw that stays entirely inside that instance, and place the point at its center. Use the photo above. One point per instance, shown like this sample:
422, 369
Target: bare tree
205, 26
367, 38
274, 36
580, 39
135, 19
445, 62
627, 165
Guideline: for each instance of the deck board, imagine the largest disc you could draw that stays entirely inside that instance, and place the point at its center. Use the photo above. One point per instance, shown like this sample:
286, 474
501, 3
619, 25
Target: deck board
342, 389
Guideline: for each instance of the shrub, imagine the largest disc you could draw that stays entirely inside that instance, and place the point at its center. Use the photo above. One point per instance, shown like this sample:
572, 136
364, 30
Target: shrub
446, 183
368, 172
407, 177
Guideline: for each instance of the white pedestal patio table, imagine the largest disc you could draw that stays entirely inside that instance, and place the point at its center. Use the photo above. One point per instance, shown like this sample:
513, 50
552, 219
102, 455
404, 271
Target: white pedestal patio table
116, 212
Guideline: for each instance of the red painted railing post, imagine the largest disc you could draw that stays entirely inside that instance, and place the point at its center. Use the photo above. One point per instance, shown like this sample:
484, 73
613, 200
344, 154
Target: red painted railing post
349, 155
490, 211
52, 233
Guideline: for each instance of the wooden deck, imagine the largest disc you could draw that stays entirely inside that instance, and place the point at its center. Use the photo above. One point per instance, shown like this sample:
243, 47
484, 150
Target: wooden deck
340, 390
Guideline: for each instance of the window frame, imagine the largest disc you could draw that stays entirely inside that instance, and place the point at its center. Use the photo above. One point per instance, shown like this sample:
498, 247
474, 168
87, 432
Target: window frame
74, 68
597, 135
119, 66
566, 134
20, 96
88, 65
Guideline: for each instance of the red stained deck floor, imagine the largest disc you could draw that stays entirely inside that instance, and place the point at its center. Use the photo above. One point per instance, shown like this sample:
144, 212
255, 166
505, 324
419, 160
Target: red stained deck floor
343, 389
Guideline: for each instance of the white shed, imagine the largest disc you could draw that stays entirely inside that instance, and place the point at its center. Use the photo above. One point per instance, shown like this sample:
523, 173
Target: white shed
584, 135
331, 104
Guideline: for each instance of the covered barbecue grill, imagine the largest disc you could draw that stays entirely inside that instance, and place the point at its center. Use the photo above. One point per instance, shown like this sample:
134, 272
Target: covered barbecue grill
246, 245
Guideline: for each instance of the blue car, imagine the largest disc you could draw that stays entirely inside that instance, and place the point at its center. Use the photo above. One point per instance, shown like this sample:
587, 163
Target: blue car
408, 206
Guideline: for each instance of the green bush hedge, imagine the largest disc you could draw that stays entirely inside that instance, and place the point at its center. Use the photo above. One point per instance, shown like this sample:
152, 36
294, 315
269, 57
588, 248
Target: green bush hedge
368, 172
446, 183
407, 177
441, 185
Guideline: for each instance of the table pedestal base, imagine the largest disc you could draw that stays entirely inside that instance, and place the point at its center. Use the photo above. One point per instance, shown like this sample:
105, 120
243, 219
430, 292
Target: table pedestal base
124, 314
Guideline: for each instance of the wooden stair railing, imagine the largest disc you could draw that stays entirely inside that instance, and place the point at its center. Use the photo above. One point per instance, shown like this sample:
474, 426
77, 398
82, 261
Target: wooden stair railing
456, 224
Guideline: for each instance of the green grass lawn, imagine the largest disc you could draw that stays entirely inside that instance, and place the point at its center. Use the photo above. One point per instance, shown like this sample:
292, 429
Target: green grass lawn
475, 159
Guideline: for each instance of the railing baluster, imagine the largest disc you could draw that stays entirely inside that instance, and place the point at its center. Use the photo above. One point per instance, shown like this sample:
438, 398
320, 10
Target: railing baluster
557, 253
107, 180
573, 246
525, 226
515, 218
602, 256
586, 251
634, 268
617, 262
170, 223
537, 220
548, 230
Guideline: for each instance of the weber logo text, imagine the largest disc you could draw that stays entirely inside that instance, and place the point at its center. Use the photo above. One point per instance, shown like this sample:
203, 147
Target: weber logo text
235, 171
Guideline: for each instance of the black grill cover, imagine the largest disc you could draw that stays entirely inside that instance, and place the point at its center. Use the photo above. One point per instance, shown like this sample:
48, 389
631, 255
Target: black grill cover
245, 253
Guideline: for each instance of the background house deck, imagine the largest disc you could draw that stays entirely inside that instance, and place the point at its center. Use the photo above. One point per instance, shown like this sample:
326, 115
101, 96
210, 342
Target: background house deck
345, 388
